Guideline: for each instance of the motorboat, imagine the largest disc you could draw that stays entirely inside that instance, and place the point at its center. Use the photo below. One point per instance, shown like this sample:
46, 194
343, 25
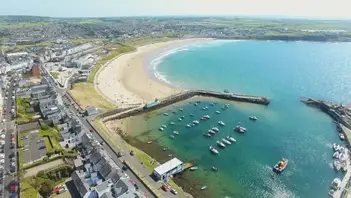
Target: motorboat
164, 126
207, 134
240, 129
172, 123
161, 129
335, 184
203, 187
231, 139
195, 104
215, 129
336, 155
226, 91
254, 118
193, 168
196, 122
212, 104
336, 147
192, 124
211, 131
205, 108
215, 151
214, 168
219, 143
180, 119
165, 114
344, 166
176, 132
172, 136
218, 112
226, 141
188, 126
207, 117
203, 118
341, 136
280, 166
221, 123
180, 109
337, 164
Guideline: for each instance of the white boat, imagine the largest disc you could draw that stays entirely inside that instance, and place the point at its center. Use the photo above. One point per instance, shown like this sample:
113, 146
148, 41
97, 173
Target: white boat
180, 109
253, 118
165, 114
188, 126
161, 129
180, 119
205, 108
218, 112
341, 136
203, 187
196, 122
215, 129
336, 147
192, 124
212, 104
196, 104
335, 184
331, 193
171, 123
344, 166
164, 126
215, 151
172, 136
211, 131
221, 123
336, 155
219, 143
207, 134
231, 139
193, 168
226, 141
240, 129
207, 117
337, 165
176, 132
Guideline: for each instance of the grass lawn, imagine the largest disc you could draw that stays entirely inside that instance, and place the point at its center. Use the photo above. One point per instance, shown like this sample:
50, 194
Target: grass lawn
54, 74
27, 190
20, 157
86, 95
49, 148
23, 104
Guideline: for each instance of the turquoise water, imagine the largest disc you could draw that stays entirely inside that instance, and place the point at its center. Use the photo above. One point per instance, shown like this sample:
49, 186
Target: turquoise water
282, 71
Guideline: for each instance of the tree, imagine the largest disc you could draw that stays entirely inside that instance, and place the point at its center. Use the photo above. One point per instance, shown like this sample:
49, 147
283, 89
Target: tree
46, 188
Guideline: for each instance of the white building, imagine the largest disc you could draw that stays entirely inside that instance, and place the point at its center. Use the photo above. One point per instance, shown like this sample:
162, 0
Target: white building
168, 169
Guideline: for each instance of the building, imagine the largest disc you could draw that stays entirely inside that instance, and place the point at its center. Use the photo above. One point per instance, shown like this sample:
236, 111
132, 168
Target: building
168, 169
35, 70
91, 111
152, 104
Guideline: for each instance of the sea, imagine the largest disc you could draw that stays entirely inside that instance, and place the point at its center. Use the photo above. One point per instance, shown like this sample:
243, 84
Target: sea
284, 72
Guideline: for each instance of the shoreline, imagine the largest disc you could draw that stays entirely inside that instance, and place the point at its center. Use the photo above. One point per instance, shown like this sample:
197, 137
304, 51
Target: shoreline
126, 81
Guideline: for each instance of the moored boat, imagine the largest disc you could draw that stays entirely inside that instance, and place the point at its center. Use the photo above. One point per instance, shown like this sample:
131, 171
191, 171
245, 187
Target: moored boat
191, 115
203, 118
215, 151
335, 184
165, 114
337, 165
239, 129
214, 168
176, 132
193, 168
161, 129
280, 166
203, 187
180, 109
211, 131
172, 136
188, 126
180, 119
226, 141
231, 139
218, 112
205, 108
164, 126
171, 123
341, 136
207, 134
215, 129
219, 143
336, 155
207, 117
221, 123
196, 122
254, 118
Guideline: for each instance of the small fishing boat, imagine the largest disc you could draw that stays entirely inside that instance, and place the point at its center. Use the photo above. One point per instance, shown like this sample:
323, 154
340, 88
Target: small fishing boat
196, 122
172, 136
195, 104
176, 132
180, 119
149, 142
207, 134
240, 129
193, 168
205, 108
180, 109
165, 149
335, 184
174, 112
207, 117
192, 124
188, 126
211, 131
165, 114
164, 126
215, 129
203, 187
221, 123
213, 150
171, 123
203, 118
226, 141
231, 139
226, 91
341, 136
336, 147
218, 112
344, 166
337, 165
214, 168
254, 118
219, 143
161, 129
280, 166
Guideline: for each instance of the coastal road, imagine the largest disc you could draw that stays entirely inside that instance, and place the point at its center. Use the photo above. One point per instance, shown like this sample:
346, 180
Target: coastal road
86, 127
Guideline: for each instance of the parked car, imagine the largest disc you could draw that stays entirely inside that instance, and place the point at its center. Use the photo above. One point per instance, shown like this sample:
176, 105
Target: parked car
165, 187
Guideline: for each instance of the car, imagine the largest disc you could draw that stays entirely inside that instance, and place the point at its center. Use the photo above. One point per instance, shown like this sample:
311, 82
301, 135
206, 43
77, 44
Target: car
91, 130
2, 156
12, 160
165, 187
2, 161
12, 155
13, 164
42, 147
2, 136
174, 191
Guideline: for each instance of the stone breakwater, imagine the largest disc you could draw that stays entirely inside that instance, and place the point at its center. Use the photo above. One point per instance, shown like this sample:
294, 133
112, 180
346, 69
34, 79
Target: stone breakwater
116, 114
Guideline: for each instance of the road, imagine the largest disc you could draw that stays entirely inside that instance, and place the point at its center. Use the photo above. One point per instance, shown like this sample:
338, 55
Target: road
86, 127
9, 130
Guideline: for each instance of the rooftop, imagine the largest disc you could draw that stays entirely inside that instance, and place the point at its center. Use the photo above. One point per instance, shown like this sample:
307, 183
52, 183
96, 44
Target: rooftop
167, 166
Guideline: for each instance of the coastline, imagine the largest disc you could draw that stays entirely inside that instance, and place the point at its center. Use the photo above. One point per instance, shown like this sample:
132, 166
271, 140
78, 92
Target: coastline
125, 81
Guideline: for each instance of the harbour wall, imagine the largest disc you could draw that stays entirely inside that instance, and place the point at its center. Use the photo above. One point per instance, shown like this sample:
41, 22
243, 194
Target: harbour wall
116, 113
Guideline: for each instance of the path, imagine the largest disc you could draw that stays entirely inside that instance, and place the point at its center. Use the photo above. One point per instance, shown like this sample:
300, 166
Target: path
34, 171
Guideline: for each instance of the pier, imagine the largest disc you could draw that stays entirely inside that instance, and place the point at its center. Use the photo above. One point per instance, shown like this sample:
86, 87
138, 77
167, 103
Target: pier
118, 114
342, 117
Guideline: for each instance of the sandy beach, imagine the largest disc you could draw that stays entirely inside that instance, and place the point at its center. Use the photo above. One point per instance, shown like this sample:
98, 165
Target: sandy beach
125, 80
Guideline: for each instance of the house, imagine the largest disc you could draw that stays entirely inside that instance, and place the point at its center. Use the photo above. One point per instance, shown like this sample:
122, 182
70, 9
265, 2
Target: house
91, 111
78, 164
168, 169
35, 70
81, 184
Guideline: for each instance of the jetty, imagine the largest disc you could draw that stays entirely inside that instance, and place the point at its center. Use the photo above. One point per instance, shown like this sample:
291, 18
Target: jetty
341, 115
184, 95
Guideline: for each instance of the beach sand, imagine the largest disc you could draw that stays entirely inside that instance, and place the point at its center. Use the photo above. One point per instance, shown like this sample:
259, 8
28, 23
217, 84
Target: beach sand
125, 81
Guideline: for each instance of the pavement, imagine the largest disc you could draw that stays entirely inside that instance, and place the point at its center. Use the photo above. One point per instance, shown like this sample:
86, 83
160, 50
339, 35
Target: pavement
33, 171
10, 129
31, 147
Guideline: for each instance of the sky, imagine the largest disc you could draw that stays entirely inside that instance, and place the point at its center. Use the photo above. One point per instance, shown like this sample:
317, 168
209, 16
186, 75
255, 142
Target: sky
108, 8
